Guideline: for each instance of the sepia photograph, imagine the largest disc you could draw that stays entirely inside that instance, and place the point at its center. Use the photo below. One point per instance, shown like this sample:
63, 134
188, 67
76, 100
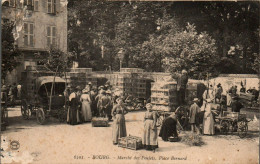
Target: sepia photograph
110, 81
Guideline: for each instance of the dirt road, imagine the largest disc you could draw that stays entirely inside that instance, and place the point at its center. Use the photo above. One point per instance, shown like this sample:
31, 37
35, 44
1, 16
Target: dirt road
61, 143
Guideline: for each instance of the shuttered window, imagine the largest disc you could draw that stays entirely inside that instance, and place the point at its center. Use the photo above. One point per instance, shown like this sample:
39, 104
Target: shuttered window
36, 5
28, 34
51, 36
29, 4
51, 6
12, 3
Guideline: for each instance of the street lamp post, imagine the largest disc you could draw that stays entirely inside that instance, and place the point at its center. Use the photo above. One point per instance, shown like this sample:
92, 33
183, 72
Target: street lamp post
121, 55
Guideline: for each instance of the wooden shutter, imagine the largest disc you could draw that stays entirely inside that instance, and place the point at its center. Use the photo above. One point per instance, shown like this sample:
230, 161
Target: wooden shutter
36, 5
49, 6
44, 5
54, 6
54, 36
31, 35
25, 34
57, 6
48, 35
12, 3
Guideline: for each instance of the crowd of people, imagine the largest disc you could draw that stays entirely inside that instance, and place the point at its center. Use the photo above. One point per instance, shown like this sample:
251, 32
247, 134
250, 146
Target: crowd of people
12, 92
102, 102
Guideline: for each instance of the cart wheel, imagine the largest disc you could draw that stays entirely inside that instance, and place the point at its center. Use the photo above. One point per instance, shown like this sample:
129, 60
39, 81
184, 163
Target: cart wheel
242, 128
25, 110
224, 127
40, 115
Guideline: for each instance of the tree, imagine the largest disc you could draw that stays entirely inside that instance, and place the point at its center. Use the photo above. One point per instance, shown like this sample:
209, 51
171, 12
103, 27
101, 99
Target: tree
9, 51
56, 60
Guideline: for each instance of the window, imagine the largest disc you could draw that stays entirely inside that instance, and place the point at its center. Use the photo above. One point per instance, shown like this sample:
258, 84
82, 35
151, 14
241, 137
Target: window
51, 6
29, 4
12, 3
51, 36
28, 34
36, 5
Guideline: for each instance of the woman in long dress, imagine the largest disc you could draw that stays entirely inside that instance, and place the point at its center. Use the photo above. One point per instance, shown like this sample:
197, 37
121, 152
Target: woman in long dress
208, 121
86, 105
150, 130
119, 128
73, 116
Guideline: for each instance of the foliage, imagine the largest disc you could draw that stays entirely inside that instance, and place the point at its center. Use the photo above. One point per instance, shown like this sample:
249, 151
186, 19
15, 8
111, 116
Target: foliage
181, 49
9, 51
56, 60
151, 34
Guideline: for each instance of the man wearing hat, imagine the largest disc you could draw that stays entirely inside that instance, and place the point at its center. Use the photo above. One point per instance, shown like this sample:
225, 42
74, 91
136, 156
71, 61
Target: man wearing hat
182, 80
194, 111
218, 92
103, 104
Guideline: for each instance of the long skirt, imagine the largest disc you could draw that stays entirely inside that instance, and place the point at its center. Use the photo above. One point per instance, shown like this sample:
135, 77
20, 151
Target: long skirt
86, 111
73, 116
150, 135
208, 124
119, 128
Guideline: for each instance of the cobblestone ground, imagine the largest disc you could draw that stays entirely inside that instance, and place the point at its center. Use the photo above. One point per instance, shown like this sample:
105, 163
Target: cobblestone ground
61, 143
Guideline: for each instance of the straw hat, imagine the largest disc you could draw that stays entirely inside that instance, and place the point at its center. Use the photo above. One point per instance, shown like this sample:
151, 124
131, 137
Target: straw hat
183, 71
195, 100
148, 105
108, 92
86, 90
209, 100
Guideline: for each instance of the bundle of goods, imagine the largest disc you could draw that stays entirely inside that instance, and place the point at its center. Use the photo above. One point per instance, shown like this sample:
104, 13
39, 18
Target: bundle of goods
192, 139
99, 122
130, 142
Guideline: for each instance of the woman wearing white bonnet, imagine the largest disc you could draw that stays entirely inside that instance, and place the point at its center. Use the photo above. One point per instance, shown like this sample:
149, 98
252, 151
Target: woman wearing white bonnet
208, 121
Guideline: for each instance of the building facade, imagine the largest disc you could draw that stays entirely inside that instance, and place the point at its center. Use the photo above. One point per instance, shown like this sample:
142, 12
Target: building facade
39, 24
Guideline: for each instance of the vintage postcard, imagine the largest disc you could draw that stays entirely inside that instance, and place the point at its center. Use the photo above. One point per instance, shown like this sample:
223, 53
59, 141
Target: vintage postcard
130, 82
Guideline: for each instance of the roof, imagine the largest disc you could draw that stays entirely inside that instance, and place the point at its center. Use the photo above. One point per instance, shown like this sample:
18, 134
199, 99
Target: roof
48, 79
240, 75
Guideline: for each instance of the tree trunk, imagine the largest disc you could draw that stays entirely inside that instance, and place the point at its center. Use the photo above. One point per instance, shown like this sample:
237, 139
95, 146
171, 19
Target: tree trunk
244, 59
224, 44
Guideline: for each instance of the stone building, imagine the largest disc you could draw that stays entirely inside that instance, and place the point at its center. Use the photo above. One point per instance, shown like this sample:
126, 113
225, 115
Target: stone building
39, 25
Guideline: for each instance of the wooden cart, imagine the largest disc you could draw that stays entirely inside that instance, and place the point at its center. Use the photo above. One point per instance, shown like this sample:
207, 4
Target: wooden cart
233, 122
44, 97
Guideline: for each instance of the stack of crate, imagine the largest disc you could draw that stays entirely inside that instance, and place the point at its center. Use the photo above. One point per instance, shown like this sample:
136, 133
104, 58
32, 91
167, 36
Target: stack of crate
131, 82
81, 77
195, 89
164, 95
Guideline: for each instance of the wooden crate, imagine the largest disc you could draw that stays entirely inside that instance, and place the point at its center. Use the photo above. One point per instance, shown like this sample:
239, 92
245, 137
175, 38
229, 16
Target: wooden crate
130, 142
99, 122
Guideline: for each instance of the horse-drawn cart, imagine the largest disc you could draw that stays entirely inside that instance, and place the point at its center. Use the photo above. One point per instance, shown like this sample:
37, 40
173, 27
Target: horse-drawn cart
44, 97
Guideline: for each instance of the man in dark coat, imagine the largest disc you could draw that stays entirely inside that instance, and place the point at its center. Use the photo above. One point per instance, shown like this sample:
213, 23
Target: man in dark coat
182, 80
169, 127
193, 115
236, 105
